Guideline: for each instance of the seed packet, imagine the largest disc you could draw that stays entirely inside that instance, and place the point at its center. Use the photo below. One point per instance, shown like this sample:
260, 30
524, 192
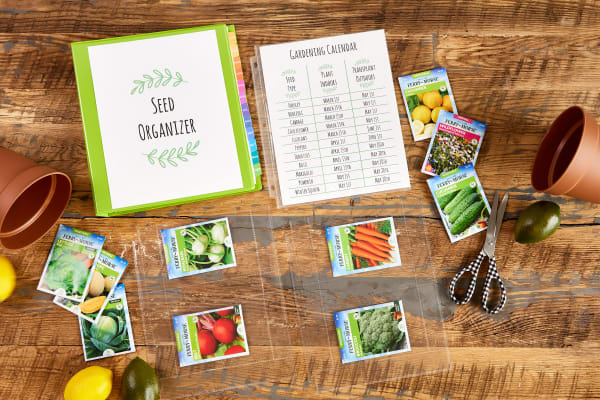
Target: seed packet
425, 95
111, 335
105, 278
371, 332
363, 246
461, 202
71, 263
456, 141
198, 248
210, 335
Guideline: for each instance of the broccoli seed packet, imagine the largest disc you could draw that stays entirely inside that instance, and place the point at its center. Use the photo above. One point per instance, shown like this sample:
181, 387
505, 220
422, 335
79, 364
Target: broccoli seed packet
425, 95
461, 202
456, 141
198, 248
371, 332
111, 335
71, 263
105, 278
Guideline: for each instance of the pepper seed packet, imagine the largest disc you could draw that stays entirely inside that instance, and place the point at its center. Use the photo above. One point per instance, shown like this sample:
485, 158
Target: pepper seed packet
210, 336
363, 246
111, 335
456, 141
71, 263
198, 248
105, 278
425, 95
371, 332
461, 202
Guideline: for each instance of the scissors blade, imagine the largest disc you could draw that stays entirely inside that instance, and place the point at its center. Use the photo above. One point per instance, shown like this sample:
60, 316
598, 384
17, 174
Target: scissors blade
491, 229
500, 214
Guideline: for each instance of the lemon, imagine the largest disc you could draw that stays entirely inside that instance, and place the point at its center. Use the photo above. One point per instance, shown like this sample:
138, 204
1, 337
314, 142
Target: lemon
447, 103
8, 279
421, 113
428, 131
417, 127
432, 99
435, 113
420, 96
91, 383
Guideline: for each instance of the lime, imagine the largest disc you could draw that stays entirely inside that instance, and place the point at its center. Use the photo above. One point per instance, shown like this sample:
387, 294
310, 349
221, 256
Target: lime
8, 279
139, 381
91, 383
537, 222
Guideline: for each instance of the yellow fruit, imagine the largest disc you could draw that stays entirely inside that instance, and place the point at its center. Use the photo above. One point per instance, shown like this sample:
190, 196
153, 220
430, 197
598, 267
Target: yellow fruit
435, 113
432, 99
428, 131
446, 103
8, 279
96, 284
92, 305
420, 96
449, 109
417, 127
422, 114
91, 383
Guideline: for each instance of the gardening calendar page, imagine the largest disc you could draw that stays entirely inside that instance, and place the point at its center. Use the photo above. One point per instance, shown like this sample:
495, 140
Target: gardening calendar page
333, 117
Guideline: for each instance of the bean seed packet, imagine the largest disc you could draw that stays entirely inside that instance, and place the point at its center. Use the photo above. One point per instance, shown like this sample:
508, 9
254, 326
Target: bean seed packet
456, 141
425, 95
111, 335
461, 202
363, 246
198, 248
71, 263
210, 336
371, 332
105, 278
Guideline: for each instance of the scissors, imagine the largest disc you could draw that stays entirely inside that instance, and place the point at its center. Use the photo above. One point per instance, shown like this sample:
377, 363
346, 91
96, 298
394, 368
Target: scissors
494, 224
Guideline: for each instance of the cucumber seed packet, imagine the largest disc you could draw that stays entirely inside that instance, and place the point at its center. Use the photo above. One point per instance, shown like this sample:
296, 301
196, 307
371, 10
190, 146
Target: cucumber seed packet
456, 141
210, 335
371, 332
105, 278
198, 248
71, 263
461, 202
363, 246
425, 95
112, 334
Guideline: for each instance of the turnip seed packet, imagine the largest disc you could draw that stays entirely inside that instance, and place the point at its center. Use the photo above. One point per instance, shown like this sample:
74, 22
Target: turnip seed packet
111, 335
210, 336
198, 248
105, 278
371, 332
456, 141
71, 263
363, 246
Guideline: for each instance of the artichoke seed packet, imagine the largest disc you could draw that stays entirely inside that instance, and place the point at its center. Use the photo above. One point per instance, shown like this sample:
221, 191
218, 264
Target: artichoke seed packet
105, 278
426, 94
461, 202
111, 335
210, 335
363, 246
456, 141
371, 332
71, 263
198, 248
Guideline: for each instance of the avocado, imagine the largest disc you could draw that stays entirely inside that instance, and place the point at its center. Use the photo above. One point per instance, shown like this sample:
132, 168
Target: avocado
139, 381
538, 221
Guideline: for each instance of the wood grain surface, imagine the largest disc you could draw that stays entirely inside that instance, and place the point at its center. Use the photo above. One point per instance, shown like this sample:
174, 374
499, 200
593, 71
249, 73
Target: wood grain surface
514, 65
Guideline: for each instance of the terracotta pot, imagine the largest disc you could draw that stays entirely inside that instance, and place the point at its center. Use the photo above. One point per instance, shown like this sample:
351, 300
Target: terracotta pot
32, 199
568, 158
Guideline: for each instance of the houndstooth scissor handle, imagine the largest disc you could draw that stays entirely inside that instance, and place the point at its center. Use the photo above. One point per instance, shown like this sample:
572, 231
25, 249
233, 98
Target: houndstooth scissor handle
473, 268
491, 276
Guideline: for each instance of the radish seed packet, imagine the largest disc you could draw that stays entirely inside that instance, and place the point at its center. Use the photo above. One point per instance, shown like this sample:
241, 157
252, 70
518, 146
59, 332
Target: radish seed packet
210, 335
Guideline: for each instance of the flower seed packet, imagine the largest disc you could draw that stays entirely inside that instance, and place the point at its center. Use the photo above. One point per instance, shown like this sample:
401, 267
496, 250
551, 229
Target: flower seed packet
210, 336
456, 141
105, 278
71, 263
425, 95
198, 248
111, 335
461, 202
363, 246
371, 332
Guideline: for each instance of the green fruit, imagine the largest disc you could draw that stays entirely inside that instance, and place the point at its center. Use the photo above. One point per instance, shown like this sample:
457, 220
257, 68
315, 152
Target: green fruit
464, 192
445, 199
537, 222
462, 206
467, 218
139, 381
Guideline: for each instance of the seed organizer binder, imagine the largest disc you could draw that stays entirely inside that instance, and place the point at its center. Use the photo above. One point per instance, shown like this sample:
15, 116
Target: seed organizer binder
165, 119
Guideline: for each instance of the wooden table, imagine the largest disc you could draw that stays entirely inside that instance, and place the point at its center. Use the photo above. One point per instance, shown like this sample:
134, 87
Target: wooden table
512, 65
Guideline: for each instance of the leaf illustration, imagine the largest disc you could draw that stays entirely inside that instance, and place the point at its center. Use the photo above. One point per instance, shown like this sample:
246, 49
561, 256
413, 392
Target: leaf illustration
172, 155
159, 78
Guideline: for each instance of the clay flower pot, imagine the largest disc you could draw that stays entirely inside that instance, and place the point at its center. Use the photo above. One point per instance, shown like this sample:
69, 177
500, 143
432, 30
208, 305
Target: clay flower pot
32, 199
568, 158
